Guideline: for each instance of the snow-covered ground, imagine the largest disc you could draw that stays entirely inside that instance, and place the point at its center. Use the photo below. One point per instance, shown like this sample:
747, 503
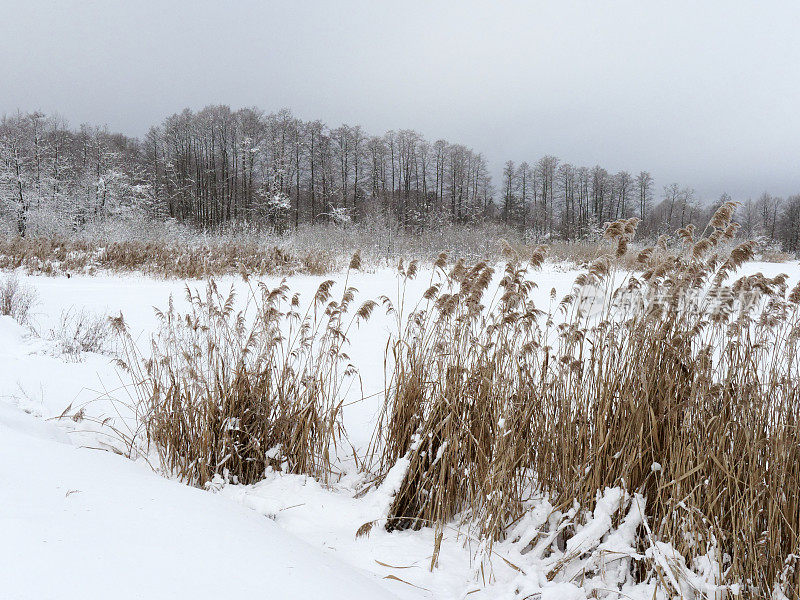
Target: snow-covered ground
81, 521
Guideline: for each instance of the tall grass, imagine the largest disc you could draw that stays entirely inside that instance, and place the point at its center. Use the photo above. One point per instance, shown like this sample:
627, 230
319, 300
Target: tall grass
232, 393
679, 383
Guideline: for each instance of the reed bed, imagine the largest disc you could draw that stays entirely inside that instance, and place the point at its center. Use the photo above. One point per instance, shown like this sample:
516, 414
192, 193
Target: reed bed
229, 394
669, 392
316, 250
679, 384
161, 258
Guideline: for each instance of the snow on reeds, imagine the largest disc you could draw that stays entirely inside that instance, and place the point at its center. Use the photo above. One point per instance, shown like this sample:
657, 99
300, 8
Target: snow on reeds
677, 385
319, 249
230, 393
194, 259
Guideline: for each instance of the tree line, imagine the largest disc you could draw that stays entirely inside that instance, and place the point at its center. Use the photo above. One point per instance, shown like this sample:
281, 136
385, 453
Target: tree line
217, 166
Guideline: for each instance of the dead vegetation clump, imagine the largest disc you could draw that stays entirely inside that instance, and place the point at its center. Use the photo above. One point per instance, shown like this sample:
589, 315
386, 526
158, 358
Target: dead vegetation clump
79, 331
189, 262
16, 299
46, 255
231, 393
53, 256
678, 383
453, 370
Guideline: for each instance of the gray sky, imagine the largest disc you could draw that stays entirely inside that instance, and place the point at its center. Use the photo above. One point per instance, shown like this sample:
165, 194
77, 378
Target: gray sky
705, 93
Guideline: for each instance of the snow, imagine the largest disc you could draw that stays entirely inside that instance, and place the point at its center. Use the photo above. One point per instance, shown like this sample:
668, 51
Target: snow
80, 520
80, 523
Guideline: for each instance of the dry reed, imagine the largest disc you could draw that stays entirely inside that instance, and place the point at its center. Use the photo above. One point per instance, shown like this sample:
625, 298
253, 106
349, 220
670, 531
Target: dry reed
674, 381
677, 383
52, 256
232, 393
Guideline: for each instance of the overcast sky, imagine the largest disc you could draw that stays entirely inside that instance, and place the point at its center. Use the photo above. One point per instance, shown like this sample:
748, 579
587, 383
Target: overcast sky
705, 93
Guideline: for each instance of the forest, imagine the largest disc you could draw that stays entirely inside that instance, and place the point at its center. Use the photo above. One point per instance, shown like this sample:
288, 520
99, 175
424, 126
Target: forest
218, 168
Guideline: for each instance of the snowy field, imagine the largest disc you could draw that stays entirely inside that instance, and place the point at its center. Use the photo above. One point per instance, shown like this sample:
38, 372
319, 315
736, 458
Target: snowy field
81, 521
